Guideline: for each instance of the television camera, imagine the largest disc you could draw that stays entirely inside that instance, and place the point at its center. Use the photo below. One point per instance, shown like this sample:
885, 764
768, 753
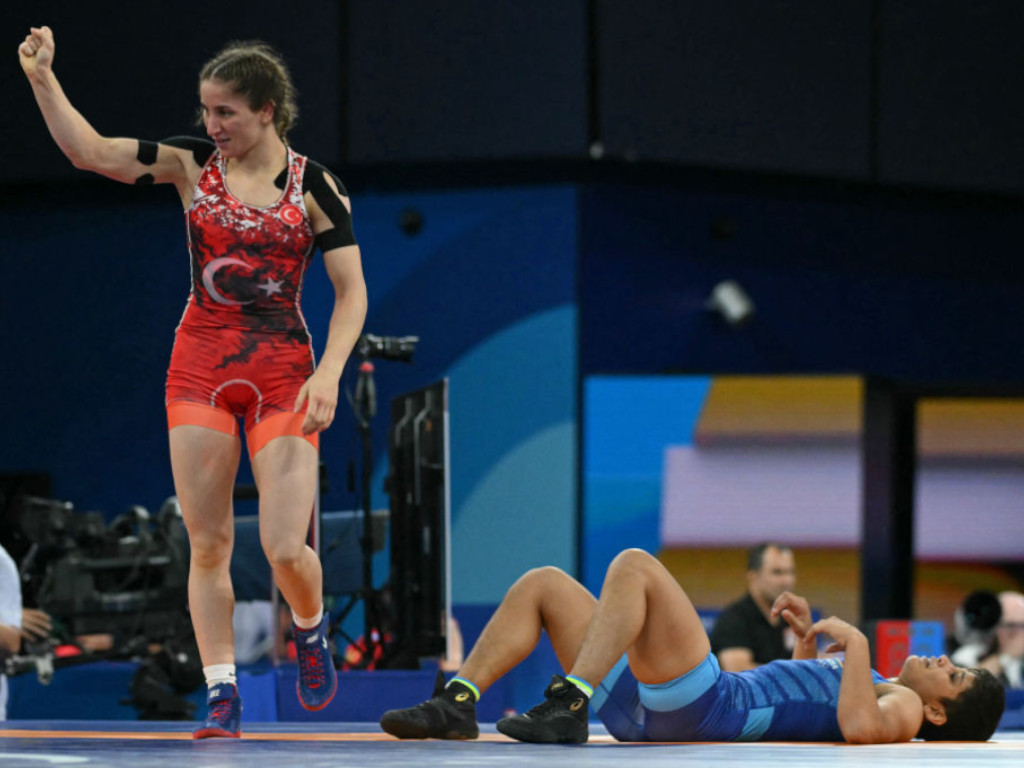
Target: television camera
126, 580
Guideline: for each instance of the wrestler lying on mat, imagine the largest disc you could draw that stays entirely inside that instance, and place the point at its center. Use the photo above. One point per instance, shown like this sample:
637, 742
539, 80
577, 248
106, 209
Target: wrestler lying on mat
640, 657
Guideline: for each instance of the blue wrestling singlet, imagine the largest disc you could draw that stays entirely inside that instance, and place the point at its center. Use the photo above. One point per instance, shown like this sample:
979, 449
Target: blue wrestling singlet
781, 701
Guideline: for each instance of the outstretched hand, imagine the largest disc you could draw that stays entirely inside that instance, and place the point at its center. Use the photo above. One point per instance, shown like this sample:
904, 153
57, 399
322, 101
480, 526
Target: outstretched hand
37, 51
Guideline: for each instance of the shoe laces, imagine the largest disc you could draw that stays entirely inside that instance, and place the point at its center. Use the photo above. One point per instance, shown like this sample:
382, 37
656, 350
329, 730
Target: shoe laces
311, 666
552, 703
549, 705
426, 706
221, 710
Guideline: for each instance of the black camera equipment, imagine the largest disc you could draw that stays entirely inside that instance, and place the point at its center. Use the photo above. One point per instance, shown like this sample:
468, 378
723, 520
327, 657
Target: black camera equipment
398, 348
128, 580
159, 687
364, 406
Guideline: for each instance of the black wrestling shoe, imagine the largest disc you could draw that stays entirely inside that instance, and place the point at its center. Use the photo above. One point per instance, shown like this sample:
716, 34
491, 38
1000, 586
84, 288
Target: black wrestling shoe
450, 714
562, 719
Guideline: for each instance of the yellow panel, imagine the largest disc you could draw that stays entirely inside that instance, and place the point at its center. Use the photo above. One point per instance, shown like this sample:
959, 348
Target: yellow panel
971, 427
830, 580
781, 407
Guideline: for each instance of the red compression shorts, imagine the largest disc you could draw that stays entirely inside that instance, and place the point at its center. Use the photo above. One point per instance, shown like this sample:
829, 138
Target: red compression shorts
218, 375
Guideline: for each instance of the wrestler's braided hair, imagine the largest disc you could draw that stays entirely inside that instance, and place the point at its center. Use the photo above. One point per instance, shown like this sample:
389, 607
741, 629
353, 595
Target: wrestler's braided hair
257, 72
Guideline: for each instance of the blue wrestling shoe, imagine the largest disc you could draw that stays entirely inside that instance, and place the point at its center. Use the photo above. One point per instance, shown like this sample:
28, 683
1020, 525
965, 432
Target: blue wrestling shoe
318, 681
561, 719
224, 719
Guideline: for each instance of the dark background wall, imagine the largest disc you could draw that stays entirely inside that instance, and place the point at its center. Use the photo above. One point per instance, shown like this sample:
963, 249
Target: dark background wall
772, 86
876, 285
457, 81
132, 70
856, 164
896, 92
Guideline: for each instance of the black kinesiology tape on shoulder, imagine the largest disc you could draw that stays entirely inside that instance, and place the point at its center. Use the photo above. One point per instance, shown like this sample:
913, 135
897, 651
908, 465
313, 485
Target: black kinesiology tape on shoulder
315, 181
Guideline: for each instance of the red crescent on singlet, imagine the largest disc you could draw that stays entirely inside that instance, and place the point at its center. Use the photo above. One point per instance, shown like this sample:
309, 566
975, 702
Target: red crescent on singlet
291, 215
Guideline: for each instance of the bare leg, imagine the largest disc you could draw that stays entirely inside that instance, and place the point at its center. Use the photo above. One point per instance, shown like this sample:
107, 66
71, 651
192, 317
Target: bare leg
644, 611
204, 463
544, 598
286, 475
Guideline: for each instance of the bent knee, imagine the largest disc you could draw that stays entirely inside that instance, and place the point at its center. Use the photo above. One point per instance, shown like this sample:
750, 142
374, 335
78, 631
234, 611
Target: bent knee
634, 558
541, 578
284, 555
636, 563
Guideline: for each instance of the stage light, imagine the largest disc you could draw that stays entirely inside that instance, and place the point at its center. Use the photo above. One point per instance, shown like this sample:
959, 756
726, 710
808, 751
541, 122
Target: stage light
730, 301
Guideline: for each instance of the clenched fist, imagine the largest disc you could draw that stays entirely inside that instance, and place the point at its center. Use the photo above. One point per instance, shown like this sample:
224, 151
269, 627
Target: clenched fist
36, 52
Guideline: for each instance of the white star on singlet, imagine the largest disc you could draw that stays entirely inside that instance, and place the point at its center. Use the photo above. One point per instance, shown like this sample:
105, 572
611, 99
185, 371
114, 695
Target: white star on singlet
271, 287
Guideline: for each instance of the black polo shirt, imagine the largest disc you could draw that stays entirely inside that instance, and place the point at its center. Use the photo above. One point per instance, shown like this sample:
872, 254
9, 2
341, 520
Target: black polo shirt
742, 625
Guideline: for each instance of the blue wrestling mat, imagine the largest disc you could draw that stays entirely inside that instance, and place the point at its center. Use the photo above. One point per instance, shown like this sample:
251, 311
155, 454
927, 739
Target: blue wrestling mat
117, 744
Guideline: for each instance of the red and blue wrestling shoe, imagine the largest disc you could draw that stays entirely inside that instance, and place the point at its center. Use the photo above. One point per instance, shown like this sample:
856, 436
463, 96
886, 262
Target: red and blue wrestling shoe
318, 681
224, 718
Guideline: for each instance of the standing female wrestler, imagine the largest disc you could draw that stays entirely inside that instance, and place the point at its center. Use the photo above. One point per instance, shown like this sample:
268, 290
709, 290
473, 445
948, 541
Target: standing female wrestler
254, 211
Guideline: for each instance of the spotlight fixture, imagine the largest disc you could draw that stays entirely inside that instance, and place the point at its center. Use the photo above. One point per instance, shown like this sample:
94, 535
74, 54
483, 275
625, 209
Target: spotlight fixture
730, 301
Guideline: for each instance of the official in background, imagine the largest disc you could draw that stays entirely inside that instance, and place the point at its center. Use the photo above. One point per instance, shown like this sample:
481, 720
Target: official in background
745, 635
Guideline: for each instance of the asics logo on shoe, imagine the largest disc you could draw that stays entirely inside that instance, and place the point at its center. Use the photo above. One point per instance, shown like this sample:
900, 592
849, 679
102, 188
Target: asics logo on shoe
576, 705
460, 697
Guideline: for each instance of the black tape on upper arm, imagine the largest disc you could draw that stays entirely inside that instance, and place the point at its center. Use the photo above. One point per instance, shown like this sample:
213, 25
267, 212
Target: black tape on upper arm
147, 152
315, 182
201, 150
335, 238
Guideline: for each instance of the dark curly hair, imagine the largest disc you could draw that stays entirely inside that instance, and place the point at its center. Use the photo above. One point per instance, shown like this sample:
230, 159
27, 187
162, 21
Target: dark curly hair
256, 71
973, 715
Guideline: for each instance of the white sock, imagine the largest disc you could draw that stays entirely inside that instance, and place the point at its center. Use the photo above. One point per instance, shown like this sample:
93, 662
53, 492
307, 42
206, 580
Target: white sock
216, 674
312, 623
